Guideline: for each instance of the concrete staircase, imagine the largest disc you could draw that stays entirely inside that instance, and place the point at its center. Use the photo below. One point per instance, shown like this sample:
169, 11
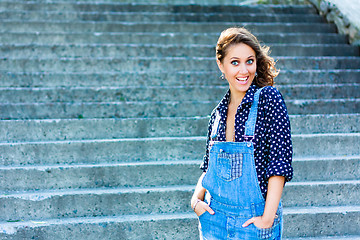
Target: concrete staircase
104, 109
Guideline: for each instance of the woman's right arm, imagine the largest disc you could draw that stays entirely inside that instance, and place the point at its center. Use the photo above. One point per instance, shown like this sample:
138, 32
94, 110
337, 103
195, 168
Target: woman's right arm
198, 199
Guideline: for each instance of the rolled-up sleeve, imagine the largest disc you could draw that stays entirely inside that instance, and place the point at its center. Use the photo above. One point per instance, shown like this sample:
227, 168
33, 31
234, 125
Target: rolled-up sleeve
278, 144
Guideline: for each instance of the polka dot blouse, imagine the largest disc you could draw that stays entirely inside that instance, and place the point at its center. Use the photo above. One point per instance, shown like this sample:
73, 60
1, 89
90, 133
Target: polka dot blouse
272, 140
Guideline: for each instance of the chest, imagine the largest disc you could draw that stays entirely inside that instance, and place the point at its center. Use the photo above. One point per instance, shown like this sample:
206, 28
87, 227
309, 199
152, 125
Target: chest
235, 119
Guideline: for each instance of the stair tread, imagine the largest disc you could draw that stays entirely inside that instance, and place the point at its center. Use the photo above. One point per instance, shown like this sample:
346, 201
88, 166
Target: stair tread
7, 45
179, 58
320, 210
116, 109
186, 38
99, 165
119, 26
160, 22
145, 102
40, 195
50, 120
352, 237
283, 71
163, 216
159, 13
44, 167
104, 88
124, 6
160, 138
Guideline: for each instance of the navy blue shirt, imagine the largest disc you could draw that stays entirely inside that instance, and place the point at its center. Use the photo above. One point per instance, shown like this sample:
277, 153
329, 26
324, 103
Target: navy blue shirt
272, 140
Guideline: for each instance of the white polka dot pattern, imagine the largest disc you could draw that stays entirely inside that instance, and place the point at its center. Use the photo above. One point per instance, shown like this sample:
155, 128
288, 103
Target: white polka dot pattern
272, 140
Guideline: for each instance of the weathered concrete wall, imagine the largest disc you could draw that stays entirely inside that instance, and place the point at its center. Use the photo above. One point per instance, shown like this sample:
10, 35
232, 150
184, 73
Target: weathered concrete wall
344, 13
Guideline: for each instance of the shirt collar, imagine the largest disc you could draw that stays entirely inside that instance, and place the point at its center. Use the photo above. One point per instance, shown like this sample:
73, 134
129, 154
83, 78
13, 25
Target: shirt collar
248, 98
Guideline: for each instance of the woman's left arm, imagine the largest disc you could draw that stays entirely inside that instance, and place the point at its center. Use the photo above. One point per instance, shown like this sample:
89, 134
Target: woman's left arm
275, 188
279, 155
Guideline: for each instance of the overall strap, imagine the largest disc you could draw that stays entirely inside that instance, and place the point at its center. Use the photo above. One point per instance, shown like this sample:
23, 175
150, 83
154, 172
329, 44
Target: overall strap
250, 123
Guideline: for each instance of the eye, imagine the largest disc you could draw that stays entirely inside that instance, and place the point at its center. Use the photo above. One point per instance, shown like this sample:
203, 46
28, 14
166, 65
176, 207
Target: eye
250, 61
235, 63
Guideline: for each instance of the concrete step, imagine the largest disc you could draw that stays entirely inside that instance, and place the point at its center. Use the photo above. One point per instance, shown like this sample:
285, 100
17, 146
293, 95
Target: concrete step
94, 202
164, 38
189, 27
108, 6
176, 93
321, 193
161, 78
122, 201
299, 222
86, 166
28, 51
156, 226
54, 177
322, 221
326, 168
79, 110
118, 64
156, 16
156, 149
329, 123
78, 129
151, 174
353, 237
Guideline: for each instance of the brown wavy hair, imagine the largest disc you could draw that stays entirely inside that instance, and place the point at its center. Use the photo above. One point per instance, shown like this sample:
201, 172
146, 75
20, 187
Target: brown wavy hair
265, 65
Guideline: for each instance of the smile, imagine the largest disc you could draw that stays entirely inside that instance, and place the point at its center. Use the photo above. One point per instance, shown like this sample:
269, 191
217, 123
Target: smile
242, 80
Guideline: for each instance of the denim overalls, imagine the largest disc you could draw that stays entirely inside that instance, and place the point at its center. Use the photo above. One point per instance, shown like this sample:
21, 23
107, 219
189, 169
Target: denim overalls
232, 183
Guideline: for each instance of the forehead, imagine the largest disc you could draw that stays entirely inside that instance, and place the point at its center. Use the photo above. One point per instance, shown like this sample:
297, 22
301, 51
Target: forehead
240, 50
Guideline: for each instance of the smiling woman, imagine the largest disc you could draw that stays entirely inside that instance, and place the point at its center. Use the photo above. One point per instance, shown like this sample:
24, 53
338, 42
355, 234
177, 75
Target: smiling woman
249, 149
239, 68
265, 64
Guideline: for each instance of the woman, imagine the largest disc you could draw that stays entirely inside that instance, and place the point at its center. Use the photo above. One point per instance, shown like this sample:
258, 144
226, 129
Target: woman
249, 149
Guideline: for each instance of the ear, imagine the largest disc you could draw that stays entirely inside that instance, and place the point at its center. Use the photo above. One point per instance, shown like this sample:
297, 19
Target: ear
220, 65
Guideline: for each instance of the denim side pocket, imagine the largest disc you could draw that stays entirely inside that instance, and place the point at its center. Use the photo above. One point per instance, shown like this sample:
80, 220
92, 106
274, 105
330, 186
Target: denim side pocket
270, 233
229, 166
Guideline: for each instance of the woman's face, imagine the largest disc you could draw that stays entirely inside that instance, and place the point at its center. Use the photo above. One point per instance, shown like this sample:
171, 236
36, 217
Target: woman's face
239, 67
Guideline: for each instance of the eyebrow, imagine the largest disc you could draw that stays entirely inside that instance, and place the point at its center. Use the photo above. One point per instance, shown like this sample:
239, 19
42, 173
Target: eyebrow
251, 56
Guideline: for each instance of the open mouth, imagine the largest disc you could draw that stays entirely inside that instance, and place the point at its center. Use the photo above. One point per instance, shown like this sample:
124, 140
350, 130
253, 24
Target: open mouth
242, 80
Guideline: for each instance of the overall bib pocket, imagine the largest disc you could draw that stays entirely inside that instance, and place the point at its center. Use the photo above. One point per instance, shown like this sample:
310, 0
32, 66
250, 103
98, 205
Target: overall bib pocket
229, 166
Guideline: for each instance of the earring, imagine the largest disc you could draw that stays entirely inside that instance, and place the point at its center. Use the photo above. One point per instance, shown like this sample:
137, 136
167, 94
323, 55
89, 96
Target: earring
222, 76
256, 74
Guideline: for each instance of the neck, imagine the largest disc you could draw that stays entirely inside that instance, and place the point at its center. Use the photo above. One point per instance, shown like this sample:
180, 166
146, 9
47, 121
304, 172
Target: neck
236, 97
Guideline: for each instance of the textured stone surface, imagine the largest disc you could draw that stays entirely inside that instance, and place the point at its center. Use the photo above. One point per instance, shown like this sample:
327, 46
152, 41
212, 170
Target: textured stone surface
345, 14
77, 129
123, 201
99, 138
156, 149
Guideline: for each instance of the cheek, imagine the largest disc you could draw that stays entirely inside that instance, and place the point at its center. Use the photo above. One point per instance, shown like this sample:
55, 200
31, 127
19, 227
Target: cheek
230, 71
252, 69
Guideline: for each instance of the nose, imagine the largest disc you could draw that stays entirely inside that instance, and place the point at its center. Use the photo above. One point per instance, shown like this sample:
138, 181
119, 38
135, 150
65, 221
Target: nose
243, 69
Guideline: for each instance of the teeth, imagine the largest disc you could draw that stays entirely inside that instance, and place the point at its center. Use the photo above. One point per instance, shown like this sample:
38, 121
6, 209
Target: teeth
242, 79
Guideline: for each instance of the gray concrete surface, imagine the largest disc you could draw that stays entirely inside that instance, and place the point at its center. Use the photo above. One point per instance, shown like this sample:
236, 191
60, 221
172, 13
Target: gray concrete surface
78, 162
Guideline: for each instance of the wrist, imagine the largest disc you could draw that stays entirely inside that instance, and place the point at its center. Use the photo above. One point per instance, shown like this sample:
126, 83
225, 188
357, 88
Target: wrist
194, 203
268, 220
194, 199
